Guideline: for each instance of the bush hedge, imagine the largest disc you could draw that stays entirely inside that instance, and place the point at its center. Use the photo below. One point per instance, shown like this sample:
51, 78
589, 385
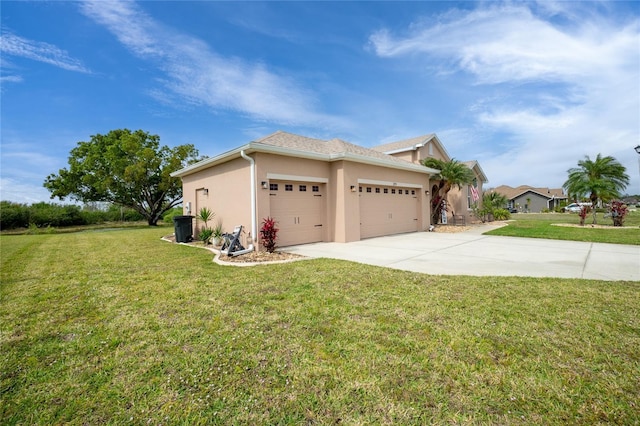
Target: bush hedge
43, 215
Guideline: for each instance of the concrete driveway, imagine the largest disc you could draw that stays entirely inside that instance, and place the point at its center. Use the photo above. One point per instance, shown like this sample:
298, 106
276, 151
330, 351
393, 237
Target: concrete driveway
471, 253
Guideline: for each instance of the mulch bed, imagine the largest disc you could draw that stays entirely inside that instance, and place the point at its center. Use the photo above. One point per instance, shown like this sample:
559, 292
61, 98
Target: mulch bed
253, 257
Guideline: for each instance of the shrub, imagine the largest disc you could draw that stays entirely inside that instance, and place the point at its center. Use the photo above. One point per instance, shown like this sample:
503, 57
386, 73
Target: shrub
205, 235
48, 214
584, 211
168, 216
618, 212
13, 215
501, 214
269, 234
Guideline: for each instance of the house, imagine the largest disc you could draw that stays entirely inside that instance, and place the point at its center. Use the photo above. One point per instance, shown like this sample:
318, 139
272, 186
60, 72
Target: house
526, 198
317, 190
420, 148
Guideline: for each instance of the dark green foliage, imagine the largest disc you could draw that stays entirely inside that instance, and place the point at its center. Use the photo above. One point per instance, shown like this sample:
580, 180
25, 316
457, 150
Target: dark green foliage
169, 215
601, 179
43, 215
205, 235
501, 214
492, 207
13, 215
452, 173
124, 168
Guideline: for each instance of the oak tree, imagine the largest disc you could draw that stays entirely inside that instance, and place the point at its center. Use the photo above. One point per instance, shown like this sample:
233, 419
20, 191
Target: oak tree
126, 168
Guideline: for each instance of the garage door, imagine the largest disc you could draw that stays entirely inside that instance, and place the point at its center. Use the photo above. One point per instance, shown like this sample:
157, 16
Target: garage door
298, 208
386, 210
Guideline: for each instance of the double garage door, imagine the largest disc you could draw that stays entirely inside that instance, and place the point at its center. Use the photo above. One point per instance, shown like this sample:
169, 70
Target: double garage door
387, 210
299, 210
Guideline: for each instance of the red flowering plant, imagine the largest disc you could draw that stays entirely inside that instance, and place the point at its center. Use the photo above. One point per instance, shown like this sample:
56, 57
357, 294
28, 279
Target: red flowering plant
584, 211
618, 212
269, 234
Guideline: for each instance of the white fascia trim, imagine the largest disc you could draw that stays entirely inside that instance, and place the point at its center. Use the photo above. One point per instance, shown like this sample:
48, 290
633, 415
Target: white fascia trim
295, 178
409, 148
385, 163
208, 162
388, 183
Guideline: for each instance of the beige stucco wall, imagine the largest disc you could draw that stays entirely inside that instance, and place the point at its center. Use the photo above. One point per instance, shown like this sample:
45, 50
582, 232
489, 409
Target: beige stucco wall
229, 195
430, 150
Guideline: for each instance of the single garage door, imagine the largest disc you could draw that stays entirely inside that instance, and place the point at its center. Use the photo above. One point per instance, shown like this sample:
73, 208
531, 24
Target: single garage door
387, 210
299, 210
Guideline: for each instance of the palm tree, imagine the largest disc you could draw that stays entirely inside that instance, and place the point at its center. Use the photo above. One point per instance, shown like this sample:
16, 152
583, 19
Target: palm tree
601, 179
452, 173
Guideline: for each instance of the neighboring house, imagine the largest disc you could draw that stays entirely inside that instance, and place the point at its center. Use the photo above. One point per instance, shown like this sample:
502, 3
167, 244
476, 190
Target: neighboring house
316, 190
529, 199
419, 149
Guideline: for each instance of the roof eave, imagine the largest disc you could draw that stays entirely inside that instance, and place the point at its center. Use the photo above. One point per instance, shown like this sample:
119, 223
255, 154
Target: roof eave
209, 162
270, 149
381, 162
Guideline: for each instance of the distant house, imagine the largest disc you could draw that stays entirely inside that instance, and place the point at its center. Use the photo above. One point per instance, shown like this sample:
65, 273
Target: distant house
526, 198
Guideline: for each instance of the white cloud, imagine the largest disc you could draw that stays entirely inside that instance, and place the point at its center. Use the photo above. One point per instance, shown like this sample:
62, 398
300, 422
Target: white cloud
11, 44
22, 192
199, 75
11, 79
554, 92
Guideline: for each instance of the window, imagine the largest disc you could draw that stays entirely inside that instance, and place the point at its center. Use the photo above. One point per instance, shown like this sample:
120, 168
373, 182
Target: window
288, 187
406, 192
303, 188
368, 189
315, 188
360, 189
386, 190
377, 190
393, 191
413, 192
273, 186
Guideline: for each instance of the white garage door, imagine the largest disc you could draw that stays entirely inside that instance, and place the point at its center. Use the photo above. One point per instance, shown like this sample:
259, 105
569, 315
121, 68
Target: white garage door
298, 208
386, 210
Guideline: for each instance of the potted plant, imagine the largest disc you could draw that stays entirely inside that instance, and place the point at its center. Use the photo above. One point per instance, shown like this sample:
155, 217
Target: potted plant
217, 234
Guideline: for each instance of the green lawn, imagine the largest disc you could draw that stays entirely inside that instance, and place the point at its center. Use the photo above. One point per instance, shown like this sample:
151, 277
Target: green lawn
121, 327
543, 226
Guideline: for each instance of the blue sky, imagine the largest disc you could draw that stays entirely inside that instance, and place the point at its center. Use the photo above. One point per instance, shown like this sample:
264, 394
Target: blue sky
525, 88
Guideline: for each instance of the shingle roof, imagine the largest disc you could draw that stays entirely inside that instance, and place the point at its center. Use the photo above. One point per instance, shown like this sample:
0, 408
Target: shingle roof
283, 143
406, 143
331, 147
512, 193
474, 163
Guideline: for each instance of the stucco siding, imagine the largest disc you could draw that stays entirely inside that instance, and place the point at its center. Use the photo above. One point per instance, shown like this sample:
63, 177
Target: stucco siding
228, 195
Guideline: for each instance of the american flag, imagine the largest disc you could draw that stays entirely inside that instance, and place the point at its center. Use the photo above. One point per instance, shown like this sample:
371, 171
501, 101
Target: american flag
474, 193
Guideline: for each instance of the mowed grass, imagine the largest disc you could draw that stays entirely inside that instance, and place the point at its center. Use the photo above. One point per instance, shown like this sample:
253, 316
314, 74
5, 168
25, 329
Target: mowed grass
542, 225
121, 327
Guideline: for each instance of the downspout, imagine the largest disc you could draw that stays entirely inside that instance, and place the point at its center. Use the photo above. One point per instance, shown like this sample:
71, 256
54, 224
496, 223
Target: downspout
254, 221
